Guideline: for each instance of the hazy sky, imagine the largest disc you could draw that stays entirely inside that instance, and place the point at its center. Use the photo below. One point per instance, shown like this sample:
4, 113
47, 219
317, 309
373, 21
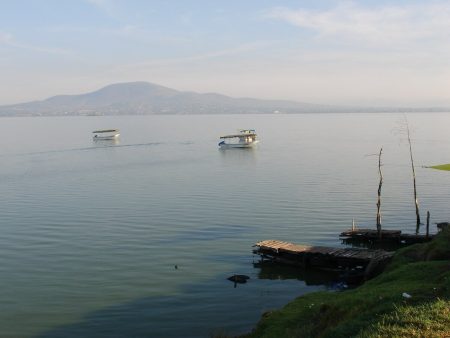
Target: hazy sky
333, 52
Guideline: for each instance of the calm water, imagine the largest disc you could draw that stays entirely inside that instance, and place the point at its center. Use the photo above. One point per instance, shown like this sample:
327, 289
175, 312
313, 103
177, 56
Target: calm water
91, 232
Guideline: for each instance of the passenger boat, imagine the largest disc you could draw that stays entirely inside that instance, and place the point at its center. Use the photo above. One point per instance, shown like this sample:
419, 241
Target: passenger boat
246, 138
106, 134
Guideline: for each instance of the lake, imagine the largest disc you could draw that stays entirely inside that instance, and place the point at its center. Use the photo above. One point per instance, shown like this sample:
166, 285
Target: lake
136, 238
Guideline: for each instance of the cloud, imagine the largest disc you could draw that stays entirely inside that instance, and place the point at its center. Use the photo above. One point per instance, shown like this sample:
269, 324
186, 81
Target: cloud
101, 4
8, 40
5, 38
382, 25
169, 62
108, 7
143, 35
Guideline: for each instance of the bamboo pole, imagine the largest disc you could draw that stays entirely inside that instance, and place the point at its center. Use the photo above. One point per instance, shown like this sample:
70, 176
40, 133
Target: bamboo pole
379, 195
416, 202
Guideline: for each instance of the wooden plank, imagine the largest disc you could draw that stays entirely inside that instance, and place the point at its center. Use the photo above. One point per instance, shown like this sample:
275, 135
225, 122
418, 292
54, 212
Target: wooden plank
370, 233
350, 254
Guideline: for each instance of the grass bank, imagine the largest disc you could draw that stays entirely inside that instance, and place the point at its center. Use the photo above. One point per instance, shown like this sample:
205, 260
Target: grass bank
442, 167
379, 307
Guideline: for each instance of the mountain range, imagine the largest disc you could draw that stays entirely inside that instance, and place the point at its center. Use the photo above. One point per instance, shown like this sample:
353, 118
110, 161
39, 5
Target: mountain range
143, 98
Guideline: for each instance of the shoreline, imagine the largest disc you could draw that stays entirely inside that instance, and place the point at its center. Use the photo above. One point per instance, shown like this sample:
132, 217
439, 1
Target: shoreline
411, 297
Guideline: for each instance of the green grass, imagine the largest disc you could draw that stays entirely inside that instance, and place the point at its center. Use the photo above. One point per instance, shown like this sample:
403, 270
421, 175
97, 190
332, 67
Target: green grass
425, 320
441, 167
377, 308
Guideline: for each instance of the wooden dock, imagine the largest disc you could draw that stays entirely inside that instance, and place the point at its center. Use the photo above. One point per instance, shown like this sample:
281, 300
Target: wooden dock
371, 235
443, 225
322, 257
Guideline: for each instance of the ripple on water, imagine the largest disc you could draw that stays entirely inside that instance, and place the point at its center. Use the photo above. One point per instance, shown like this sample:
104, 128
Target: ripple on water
91, 236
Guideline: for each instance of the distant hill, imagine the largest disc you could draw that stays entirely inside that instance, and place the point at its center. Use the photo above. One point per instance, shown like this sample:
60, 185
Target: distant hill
143, 98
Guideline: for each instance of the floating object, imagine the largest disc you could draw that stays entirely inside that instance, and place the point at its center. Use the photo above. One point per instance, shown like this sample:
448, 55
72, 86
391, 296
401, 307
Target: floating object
106, 134
406, 295
246, 138
241, 279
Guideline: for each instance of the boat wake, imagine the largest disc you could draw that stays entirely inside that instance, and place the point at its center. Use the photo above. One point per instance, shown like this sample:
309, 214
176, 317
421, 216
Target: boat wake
96, 147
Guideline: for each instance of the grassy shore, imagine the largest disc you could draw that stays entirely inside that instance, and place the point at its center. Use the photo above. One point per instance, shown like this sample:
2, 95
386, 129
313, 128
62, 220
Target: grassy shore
411, 298
442, 167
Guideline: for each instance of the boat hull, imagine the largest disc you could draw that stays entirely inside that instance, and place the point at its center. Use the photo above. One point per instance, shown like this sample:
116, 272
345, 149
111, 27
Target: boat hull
237, 145
106, 138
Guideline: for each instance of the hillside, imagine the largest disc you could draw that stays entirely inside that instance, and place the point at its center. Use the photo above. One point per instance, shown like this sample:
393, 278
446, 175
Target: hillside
143, 98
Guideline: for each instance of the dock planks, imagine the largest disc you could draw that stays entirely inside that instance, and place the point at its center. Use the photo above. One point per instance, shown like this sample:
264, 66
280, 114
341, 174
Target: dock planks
386, 235
320, 256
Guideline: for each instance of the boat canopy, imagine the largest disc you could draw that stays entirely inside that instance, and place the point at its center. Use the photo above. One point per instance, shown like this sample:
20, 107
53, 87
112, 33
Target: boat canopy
239, 135
105, 131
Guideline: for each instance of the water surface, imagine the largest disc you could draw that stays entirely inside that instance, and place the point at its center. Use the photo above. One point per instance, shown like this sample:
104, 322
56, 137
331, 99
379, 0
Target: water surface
137, 238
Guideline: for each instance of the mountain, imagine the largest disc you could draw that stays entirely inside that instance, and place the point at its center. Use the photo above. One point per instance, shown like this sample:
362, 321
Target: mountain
143, 98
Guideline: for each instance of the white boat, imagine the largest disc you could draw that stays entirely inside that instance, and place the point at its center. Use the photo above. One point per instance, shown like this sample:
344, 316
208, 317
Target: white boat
246, 138
106, 134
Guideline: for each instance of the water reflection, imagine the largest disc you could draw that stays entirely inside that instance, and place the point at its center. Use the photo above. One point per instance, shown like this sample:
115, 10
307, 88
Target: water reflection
238, 155
357, 243
388, 245
105, 142
331, 279
67, 255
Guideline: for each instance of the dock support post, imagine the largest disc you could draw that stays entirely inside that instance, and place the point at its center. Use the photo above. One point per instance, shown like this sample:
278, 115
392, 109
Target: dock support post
379, 195
416, 201
428, 224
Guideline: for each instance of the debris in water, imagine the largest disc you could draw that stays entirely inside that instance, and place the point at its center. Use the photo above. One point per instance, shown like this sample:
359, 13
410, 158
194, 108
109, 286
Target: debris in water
239, 278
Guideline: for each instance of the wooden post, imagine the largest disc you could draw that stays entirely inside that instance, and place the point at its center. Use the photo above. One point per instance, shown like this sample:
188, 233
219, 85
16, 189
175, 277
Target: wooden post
379, 195
416, 202
353, 224
428, 224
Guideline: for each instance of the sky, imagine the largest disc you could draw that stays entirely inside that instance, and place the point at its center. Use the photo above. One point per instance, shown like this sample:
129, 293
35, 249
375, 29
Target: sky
370, 53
